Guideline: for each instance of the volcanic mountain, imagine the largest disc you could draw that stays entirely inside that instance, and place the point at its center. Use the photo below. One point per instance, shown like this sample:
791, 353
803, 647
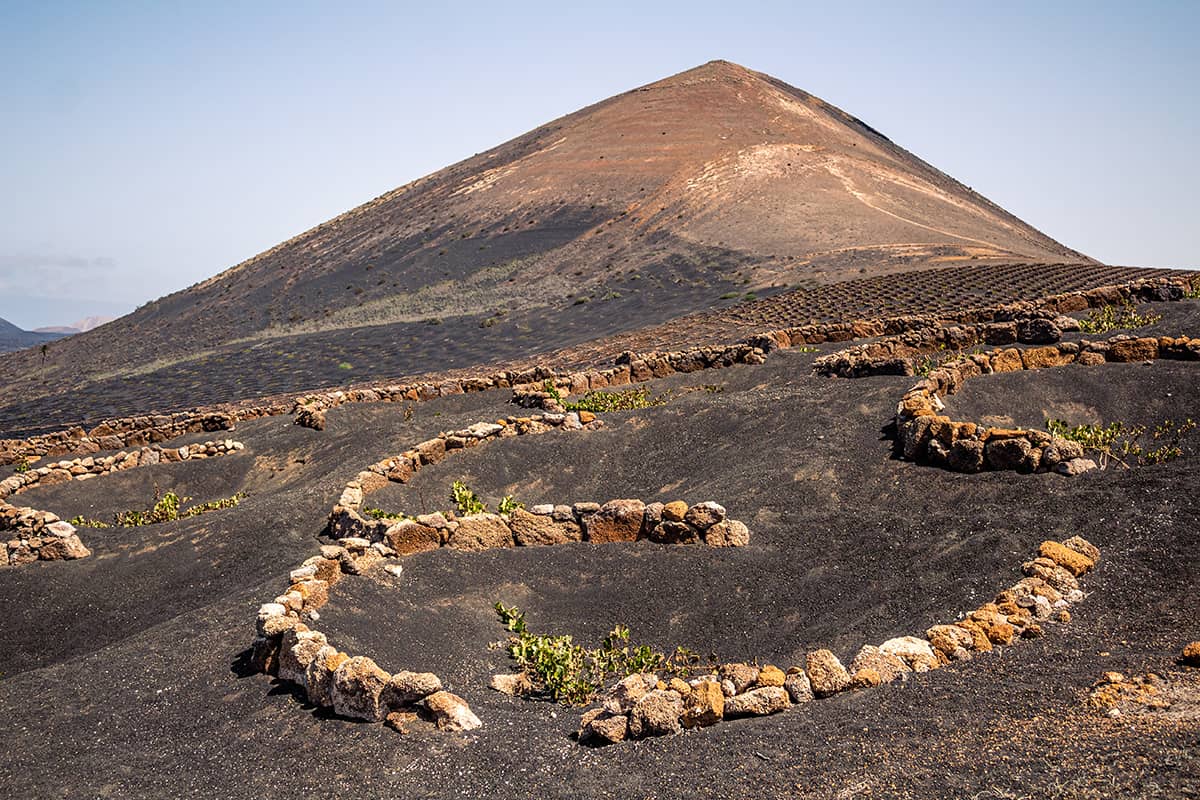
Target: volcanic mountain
698, 191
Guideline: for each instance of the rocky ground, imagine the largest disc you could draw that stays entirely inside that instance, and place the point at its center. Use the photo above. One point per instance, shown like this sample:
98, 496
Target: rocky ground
125, 674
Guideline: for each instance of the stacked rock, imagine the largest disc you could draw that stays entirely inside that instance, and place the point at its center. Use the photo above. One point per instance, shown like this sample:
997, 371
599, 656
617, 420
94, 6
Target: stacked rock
353, 686
645, 705
41, 535
926, 435
115, 433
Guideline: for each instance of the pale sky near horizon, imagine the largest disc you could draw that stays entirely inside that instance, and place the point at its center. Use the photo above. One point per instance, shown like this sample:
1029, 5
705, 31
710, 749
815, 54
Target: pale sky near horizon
145, 147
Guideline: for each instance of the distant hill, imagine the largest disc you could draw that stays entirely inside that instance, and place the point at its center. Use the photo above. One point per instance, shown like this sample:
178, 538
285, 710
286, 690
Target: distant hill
82, 326
669, 199
13, 338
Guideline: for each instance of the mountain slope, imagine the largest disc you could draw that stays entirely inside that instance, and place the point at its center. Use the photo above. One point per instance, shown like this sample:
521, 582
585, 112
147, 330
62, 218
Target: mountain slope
660, 201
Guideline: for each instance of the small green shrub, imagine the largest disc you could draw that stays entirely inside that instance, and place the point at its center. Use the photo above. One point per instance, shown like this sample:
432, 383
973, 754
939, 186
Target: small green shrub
805, 349
345, 365
1192, 292
465, 499
1121, 443
379, 513
600, 401
509, 504
730, 295
1118, 317
572, 674
167, 507
21, 466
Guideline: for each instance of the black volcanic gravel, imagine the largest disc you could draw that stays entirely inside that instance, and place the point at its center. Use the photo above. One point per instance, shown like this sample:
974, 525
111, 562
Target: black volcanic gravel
123, 676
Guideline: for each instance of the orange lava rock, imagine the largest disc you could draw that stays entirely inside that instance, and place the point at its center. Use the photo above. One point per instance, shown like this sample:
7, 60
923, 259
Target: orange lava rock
1074, 562
1191, 655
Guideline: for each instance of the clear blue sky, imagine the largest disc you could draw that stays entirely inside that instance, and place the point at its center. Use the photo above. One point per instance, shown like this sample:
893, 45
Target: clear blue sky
146, 146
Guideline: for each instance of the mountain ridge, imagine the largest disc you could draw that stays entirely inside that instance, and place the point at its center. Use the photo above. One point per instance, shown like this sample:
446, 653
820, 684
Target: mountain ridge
661, 201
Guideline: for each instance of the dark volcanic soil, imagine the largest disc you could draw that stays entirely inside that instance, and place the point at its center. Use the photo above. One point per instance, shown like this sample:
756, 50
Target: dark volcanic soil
122, 674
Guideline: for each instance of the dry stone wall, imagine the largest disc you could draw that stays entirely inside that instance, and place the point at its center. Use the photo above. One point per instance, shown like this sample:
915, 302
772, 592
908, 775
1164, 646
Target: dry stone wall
644, 705
925, 434
42, 535
356, 687
911, 334
1040, 323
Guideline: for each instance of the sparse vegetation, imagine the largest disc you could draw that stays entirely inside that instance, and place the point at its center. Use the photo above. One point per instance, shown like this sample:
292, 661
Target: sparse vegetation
466, 500
1117, 317
931, 361
572, 674
167, 507
21, 466
509, 504
1121, 443
600, 401
379, 513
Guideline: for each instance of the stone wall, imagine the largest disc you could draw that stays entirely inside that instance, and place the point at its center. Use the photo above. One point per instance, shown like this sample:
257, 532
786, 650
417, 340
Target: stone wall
646, 705
114, 434
309, 410
41, 535
924, 434
1041, 322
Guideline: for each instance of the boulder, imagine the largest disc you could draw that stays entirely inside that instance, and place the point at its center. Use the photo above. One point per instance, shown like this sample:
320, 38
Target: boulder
1038, 331
616, 521
704, 515
318, 677
627, 692
729, 533
674, 511
865, 679
1084, 547
1145, 349
516, 684
481, 532
758, 702
770, 676
966, 455
1191, 655
953, 641
600, 727
743, 676
409, 536
826, 673
451, 713
887, 666
1073, 561
704, 705
406, 688
799, 687
1014, 453
674, 533
1075, 466
1058, 577
297, 649
656, 713
63, 549
358, 684
541, 529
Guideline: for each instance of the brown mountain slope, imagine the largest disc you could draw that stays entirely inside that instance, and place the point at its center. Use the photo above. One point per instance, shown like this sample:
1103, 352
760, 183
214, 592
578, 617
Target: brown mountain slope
659, 201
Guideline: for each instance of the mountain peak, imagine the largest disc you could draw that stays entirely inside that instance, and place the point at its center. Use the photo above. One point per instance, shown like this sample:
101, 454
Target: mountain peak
661, 201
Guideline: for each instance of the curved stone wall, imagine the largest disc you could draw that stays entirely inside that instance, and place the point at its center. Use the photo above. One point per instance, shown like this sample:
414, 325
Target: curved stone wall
309, 410
645, 705
924, 434
42, 535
